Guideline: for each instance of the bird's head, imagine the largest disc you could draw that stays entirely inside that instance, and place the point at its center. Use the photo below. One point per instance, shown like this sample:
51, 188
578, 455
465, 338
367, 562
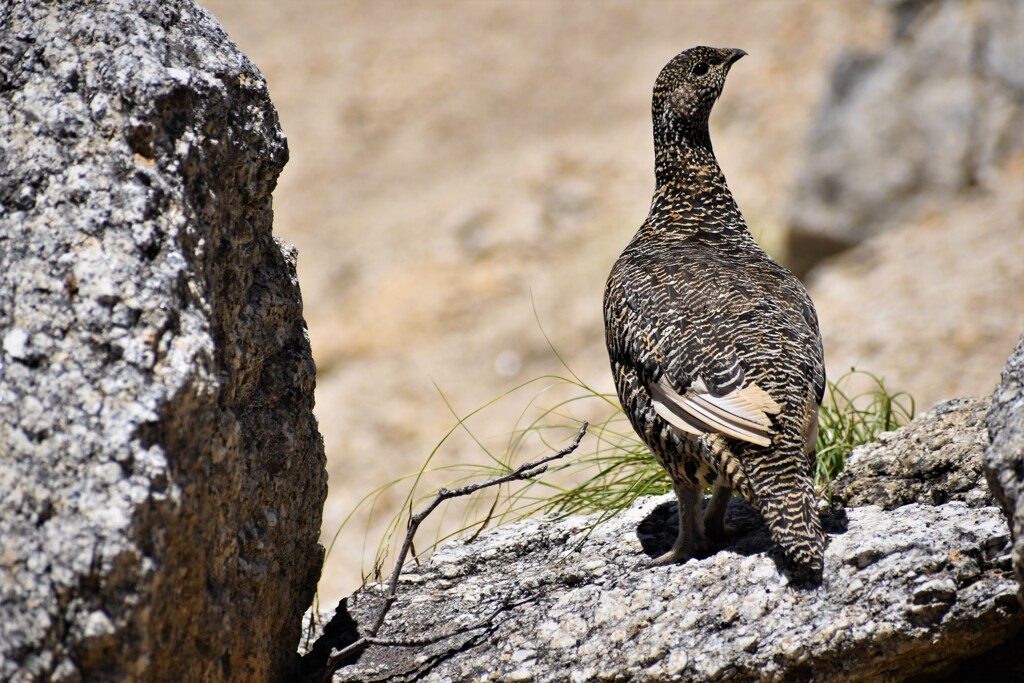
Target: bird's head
686, 90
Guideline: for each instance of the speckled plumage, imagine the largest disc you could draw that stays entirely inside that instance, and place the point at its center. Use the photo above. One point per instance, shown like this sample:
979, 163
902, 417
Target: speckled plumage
714, 346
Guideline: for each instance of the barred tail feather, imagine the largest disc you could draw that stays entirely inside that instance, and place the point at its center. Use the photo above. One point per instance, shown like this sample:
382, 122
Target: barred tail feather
793, 521
784, 494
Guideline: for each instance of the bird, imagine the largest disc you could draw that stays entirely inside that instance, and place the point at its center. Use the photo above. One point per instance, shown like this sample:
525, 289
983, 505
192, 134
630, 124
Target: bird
715, 347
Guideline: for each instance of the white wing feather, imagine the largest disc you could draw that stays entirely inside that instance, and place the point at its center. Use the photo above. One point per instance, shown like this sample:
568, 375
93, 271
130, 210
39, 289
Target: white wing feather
741, 414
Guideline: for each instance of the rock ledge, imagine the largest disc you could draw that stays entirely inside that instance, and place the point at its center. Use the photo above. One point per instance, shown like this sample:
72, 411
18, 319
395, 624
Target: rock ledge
906, 592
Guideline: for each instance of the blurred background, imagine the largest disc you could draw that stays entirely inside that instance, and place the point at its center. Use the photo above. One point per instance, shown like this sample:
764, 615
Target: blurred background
463, 174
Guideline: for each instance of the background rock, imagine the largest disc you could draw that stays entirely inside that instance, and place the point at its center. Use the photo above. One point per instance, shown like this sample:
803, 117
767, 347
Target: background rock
916, 160
936, 305
162, 477
1004, 459
934, 114
934, 459
907, 593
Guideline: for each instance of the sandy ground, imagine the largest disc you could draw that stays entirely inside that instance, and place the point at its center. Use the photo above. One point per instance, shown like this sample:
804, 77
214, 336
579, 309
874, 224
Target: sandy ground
457, 166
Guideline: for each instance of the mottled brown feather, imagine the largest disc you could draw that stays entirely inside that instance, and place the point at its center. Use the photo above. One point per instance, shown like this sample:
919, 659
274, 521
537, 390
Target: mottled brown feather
694, 299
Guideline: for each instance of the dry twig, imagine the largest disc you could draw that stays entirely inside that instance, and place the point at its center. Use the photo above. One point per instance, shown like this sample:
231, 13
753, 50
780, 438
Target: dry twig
350, 651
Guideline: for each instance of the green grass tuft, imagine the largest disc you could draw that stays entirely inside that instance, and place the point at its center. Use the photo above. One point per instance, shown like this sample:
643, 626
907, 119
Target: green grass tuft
853, 417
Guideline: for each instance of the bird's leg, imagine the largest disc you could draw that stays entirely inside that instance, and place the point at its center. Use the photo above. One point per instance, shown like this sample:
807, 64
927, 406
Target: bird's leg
690, 542
714, 513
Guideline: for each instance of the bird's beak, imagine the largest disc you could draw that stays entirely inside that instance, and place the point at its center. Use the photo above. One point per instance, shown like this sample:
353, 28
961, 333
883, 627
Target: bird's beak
736, 55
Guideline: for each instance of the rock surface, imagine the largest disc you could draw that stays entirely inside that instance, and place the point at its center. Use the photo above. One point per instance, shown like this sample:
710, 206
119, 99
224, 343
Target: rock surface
1004, 459
162, 476
882, 148
935, 459
918, 584
906, 593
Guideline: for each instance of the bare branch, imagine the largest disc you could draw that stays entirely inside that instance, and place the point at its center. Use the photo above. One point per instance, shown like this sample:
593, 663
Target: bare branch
525, 471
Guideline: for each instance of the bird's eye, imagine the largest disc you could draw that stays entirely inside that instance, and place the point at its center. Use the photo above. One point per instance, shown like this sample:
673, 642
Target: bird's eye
699, 69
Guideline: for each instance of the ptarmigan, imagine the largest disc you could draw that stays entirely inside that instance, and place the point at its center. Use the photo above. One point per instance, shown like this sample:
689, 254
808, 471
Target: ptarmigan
714, 346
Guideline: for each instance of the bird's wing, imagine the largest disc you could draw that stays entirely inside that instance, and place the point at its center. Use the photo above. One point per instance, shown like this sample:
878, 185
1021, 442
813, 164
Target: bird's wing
674, 337
740, 414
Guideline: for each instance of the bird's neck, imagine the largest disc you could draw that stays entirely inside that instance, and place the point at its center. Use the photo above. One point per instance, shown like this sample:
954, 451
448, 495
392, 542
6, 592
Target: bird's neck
691, 190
